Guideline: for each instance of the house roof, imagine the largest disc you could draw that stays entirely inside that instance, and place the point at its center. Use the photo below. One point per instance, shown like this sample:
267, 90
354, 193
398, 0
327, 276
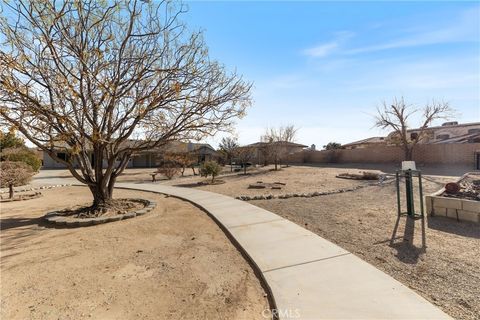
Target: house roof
458, 125
464, 138
364, 141
286, 143
171, 146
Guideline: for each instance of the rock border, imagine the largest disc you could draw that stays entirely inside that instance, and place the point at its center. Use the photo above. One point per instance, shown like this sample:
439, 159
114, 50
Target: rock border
38, 188
56, 218
309, 194
32, 196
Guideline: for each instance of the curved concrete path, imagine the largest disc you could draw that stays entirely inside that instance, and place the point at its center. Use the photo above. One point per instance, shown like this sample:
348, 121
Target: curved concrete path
308, 276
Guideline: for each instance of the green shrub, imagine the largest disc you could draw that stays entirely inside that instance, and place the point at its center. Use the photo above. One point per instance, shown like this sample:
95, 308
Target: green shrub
10, 140
210, 168
22, 155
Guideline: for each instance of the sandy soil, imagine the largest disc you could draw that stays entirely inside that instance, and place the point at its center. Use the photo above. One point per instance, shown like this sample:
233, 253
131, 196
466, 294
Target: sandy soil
298, 179
173, 263
445, 269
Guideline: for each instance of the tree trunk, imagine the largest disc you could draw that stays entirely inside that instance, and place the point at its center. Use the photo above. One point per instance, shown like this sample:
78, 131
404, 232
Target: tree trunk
10, 191
245, 168
231, 166
408, 150
102, 197
213, 178
104, 182
276, 163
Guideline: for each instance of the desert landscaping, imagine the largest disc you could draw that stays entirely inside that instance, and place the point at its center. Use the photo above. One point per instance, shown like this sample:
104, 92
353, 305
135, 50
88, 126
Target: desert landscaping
206, 160
173, 262
444, 269
437, 259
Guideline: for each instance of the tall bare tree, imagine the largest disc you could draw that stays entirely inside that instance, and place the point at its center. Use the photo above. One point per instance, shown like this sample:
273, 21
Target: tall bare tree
228, 146
276, 142
396, 116
244, 155
109, 79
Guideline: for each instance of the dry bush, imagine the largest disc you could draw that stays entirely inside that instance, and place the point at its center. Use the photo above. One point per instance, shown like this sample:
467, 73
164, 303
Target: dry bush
168, 171
367, 175
14, 174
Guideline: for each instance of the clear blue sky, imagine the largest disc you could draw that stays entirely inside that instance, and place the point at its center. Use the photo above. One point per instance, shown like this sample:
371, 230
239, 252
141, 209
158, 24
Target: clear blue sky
325, 66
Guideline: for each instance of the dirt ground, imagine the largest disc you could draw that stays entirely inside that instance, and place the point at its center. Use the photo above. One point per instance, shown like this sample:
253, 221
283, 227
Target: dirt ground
445, 269
172, 263
298, 179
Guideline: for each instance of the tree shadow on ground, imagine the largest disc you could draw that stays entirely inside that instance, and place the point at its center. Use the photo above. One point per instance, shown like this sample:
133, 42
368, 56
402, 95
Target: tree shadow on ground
10, 223
407, 251
461, 228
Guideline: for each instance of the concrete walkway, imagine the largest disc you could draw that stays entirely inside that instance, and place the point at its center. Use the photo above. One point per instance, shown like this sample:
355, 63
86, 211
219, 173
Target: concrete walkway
308, 276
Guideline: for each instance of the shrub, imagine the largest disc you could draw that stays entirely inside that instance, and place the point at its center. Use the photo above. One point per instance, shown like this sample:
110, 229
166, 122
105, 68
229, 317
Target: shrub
10, 140
168, 171
22, 155
14, 174
210, 168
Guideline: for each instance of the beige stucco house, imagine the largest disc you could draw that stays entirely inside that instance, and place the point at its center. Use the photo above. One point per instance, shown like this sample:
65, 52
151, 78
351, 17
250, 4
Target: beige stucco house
148, 158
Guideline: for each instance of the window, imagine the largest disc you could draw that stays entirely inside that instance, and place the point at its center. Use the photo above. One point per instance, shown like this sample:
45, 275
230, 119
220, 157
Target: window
413, 136
443, 136
62, 155
470, 131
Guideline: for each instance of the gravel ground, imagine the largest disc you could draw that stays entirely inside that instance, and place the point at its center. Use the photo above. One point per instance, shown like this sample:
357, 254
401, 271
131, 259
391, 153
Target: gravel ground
445, 270
172, 263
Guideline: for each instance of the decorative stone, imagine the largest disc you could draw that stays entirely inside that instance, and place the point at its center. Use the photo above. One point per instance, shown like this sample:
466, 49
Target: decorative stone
129, 215
140, 212
58, 219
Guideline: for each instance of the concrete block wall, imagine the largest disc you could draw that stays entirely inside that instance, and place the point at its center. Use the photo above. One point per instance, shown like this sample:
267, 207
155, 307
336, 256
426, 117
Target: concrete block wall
461, 209
447, 153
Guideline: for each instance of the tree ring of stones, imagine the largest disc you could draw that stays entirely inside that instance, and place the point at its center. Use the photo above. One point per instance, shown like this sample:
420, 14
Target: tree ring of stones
59, 219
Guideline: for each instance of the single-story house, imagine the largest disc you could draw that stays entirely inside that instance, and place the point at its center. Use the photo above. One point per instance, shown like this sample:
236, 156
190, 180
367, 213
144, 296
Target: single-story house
369, 142
147, 158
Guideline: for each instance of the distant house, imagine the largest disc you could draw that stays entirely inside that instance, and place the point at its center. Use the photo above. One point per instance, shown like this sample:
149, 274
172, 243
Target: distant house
144, 159
259, 149
449, 132
369, 142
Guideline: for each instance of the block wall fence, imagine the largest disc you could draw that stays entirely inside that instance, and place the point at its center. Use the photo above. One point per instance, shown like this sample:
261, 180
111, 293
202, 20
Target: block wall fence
448, 153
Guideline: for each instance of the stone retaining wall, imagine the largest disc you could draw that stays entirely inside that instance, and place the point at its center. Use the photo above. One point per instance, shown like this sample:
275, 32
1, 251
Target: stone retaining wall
460, 209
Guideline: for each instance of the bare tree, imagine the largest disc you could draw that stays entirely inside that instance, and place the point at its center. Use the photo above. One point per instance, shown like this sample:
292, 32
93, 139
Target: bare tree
228, 146
183, 160
244, 155
396, 117
102, 80
13, 174
276, 142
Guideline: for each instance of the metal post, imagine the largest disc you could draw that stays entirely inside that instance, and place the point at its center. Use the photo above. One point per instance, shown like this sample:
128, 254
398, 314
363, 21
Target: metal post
420, 188
409, 193
398, 194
